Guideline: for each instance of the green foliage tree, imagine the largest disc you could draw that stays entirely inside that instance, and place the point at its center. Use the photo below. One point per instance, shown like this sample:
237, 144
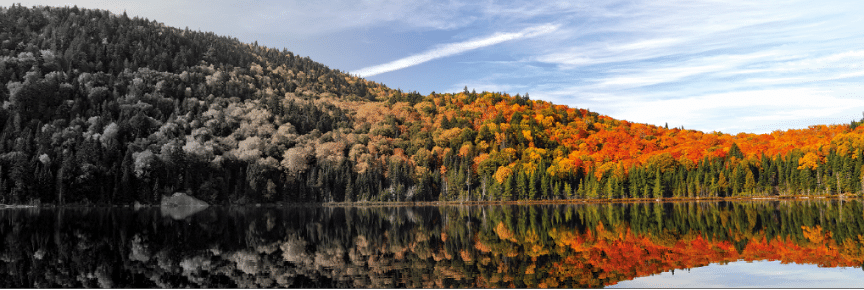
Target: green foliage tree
94, 117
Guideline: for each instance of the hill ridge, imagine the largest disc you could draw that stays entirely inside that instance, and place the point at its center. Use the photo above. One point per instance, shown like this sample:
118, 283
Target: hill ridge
101, 108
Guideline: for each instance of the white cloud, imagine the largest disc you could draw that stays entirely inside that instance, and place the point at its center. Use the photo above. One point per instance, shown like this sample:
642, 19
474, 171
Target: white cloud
715, 111
646, 31
673, 61
658, 76
312, 17
747, 67
695, 66
294, 17
646, 44
454, 48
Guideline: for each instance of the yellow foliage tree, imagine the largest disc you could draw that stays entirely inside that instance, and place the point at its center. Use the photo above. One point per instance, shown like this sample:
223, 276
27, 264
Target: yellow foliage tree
809, 161
502, 173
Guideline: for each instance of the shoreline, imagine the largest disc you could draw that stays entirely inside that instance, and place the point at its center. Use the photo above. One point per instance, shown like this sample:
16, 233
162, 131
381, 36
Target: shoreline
466, 203
582, 201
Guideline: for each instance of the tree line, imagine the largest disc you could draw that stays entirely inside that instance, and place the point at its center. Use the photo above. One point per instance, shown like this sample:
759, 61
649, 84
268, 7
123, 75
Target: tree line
107, 109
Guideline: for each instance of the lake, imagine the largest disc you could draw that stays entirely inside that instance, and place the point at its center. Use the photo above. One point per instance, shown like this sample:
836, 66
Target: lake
687, 244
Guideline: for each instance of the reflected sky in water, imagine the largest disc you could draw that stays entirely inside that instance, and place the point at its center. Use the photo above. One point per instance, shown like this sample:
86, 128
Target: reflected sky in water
758, 274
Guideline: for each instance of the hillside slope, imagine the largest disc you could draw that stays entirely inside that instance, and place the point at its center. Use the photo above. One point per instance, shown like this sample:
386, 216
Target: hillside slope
101, 108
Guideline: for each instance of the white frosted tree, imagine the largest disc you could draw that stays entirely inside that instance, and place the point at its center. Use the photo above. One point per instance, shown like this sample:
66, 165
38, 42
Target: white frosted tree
143, 161
330, 151
296, 160
203, 151
249, 150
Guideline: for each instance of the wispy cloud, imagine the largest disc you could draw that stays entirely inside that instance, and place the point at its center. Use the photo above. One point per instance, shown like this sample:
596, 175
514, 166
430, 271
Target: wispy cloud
312, 17
754, 111
749, 67
736, 66
454, 48
653, 73
667, 29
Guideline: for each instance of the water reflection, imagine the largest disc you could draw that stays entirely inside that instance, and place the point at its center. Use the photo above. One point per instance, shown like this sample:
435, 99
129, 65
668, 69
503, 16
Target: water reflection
764, 274
469, 246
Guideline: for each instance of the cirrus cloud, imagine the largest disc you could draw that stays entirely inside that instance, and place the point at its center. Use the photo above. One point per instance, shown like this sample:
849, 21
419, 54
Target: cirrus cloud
453, 49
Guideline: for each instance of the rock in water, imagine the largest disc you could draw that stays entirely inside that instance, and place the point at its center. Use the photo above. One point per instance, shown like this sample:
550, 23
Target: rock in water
180, 199
180, 206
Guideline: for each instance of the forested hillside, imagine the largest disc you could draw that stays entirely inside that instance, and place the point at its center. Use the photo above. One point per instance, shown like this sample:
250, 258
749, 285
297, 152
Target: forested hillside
103, 108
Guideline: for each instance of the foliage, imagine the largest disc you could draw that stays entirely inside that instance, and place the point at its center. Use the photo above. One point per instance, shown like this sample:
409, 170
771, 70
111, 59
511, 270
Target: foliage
103, 108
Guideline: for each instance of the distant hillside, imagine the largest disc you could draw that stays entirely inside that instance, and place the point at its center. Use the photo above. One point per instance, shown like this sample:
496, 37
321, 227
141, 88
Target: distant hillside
103, 108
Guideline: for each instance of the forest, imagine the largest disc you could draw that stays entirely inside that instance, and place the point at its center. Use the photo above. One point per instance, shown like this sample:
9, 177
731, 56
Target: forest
99, 108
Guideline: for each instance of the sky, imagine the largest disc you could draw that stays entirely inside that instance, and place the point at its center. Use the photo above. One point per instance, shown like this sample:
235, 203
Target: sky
752, 275
728, 66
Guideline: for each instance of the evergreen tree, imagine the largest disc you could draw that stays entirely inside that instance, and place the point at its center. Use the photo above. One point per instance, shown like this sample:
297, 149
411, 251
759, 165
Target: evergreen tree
734, 151
568, 190
532, 185
521, 186
722, 184
508, 192
749, 183
657, 192
545, 182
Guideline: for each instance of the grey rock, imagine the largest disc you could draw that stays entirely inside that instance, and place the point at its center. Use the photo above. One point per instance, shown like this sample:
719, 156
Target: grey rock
180, 206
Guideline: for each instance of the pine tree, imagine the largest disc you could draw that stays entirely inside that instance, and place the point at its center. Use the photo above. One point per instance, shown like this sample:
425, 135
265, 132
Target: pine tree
568, 190
611, 189
545, 183
532, 186
595, 189
749, 183
591, 185
349, 187
735, 180
691, 187
580, 192
507, 193
521, 186
734, 151
658, 185
860, 174
558, 189
722, 184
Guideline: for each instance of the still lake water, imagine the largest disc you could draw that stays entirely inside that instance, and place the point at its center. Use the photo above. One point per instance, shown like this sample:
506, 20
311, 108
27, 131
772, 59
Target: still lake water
707, 244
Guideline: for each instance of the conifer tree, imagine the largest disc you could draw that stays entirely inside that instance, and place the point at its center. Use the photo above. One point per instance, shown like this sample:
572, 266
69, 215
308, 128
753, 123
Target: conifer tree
722, 184
532, 185
749, 183
657, 192
508, 192
568, 190
734, 151
521, 186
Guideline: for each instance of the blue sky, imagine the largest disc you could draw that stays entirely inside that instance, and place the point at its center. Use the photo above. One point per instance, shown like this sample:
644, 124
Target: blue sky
730, 66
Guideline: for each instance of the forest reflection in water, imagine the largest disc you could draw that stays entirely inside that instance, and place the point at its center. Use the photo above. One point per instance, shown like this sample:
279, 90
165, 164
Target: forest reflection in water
583, 245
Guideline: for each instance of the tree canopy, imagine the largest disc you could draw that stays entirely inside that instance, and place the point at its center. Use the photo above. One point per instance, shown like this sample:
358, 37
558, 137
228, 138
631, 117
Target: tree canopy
103, 108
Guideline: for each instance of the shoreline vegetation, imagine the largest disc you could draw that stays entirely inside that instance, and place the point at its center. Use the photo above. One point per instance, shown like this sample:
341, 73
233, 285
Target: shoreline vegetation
471, 203
103, 109
590, 201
